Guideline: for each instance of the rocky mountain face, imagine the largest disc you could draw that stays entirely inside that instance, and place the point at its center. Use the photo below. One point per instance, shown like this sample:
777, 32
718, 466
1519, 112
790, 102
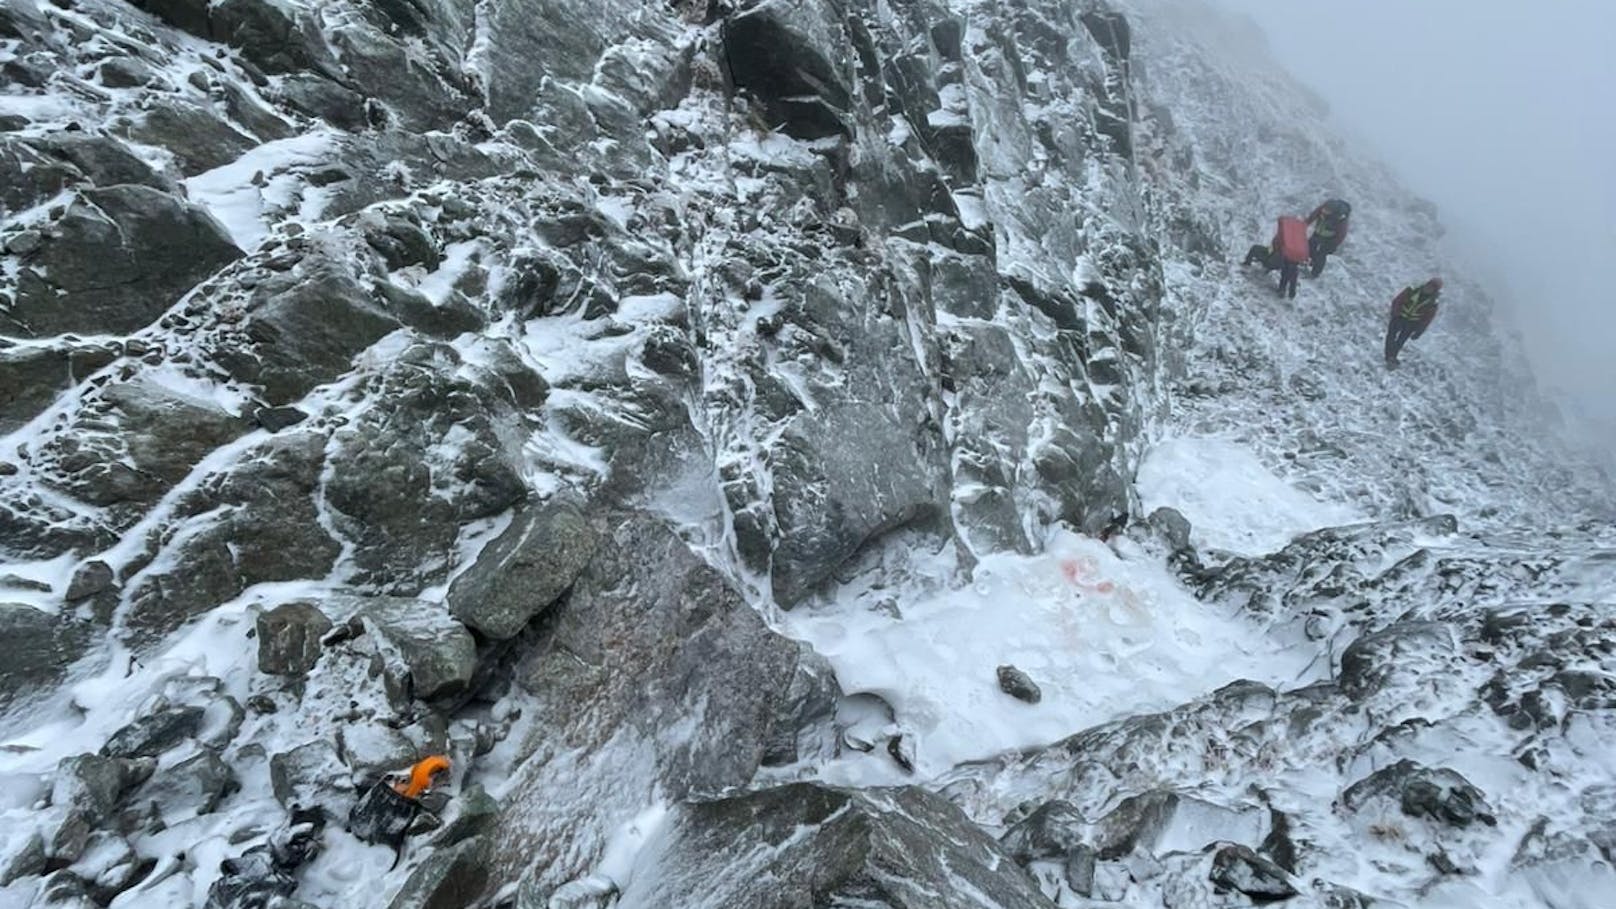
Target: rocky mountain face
381, 378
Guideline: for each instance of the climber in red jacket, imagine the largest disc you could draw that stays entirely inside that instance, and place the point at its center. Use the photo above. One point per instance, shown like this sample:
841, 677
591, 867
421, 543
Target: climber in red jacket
1329, 222
1411, 314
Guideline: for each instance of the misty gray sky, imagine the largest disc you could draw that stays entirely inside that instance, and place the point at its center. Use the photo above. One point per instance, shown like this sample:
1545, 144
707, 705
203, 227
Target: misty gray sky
1504, 114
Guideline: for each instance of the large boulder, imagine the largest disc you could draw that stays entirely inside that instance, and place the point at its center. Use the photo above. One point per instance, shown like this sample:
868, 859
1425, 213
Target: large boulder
36, 649
35, 375
102, 160
132, 441
199, 139
1438, 794
194, 786
1160, 822
114, 261
448, 879
899, 848
526, 568
430, 456
651, 641
431, 654
289, 638
795, 58
304, 325
156, 732
252, 522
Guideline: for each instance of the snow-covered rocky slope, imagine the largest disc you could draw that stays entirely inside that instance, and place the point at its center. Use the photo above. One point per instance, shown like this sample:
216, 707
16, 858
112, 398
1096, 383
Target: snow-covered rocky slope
693, 417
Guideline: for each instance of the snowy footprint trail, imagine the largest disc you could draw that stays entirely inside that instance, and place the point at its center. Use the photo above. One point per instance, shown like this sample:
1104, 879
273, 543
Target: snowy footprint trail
1104, 635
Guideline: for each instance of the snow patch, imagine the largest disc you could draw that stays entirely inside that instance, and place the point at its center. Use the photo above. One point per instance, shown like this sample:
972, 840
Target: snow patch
1232, 501
252, 192
1105, 635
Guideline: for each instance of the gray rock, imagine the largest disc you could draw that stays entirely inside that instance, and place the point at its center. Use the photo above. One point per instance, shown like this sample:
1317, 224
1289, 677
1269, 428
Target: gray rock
475, 813
431, 456
1079, 870
246, 110
1370, 660
806, 729
303, 327
93, 784
793, 58
109, 866
321, 98
27, 177
1440, 794
887, 847
24, 857
1053, 830
37, 649
276, 419
155, 733
34, 376
431, 652
827, 508
1236, 867
454, 316
190, 15
270, 531
18, 582
523, 570
23, 242
289, 638
199, 139
91, 578
194, 786
123, 72
279, 39
103, 160
133, 441
400, 241
1158, 822
122, 255
1173, 527
447, 879
1019, 685
650, 629
312, 774
64, 890
370, 749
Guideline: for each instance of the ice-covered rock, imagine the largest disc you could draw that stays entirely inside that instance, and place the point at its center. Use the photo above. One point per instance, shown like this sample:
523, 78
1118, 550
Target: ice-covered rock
289, 638
899, 847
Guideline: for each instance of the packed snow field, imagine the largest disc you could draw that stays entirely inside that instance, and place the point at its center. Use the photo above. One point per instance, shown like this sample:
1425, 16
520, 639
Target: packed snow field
782, 453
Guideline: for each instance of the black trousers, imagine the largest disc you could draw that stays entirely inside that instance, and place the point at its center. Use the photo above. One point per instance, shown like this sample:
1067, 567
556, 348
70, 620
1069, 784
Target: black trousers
1319, 249
1289, 274
1398, 331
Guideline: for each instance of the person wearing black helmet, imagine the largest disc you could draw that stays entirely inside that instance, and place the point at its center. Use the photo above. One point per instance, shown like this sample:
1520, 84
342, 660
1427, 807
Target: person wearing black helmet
1412, 312
1329, 222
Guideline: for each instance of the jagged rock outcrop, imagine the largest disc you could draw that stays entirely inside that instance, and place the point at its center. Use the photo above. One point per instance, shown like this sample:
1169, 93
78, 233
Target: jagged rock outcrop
904, 848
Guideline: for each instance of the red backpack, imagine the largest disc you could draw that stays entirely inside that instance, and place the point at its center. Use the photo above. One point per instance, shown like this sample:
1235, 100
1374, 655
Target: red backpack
1291, 240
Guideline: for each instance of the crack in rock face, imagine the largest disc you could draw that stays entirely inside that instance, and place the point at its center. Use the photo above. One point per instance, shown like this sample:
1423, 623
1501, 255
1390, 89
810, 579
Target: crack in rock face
761, 453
